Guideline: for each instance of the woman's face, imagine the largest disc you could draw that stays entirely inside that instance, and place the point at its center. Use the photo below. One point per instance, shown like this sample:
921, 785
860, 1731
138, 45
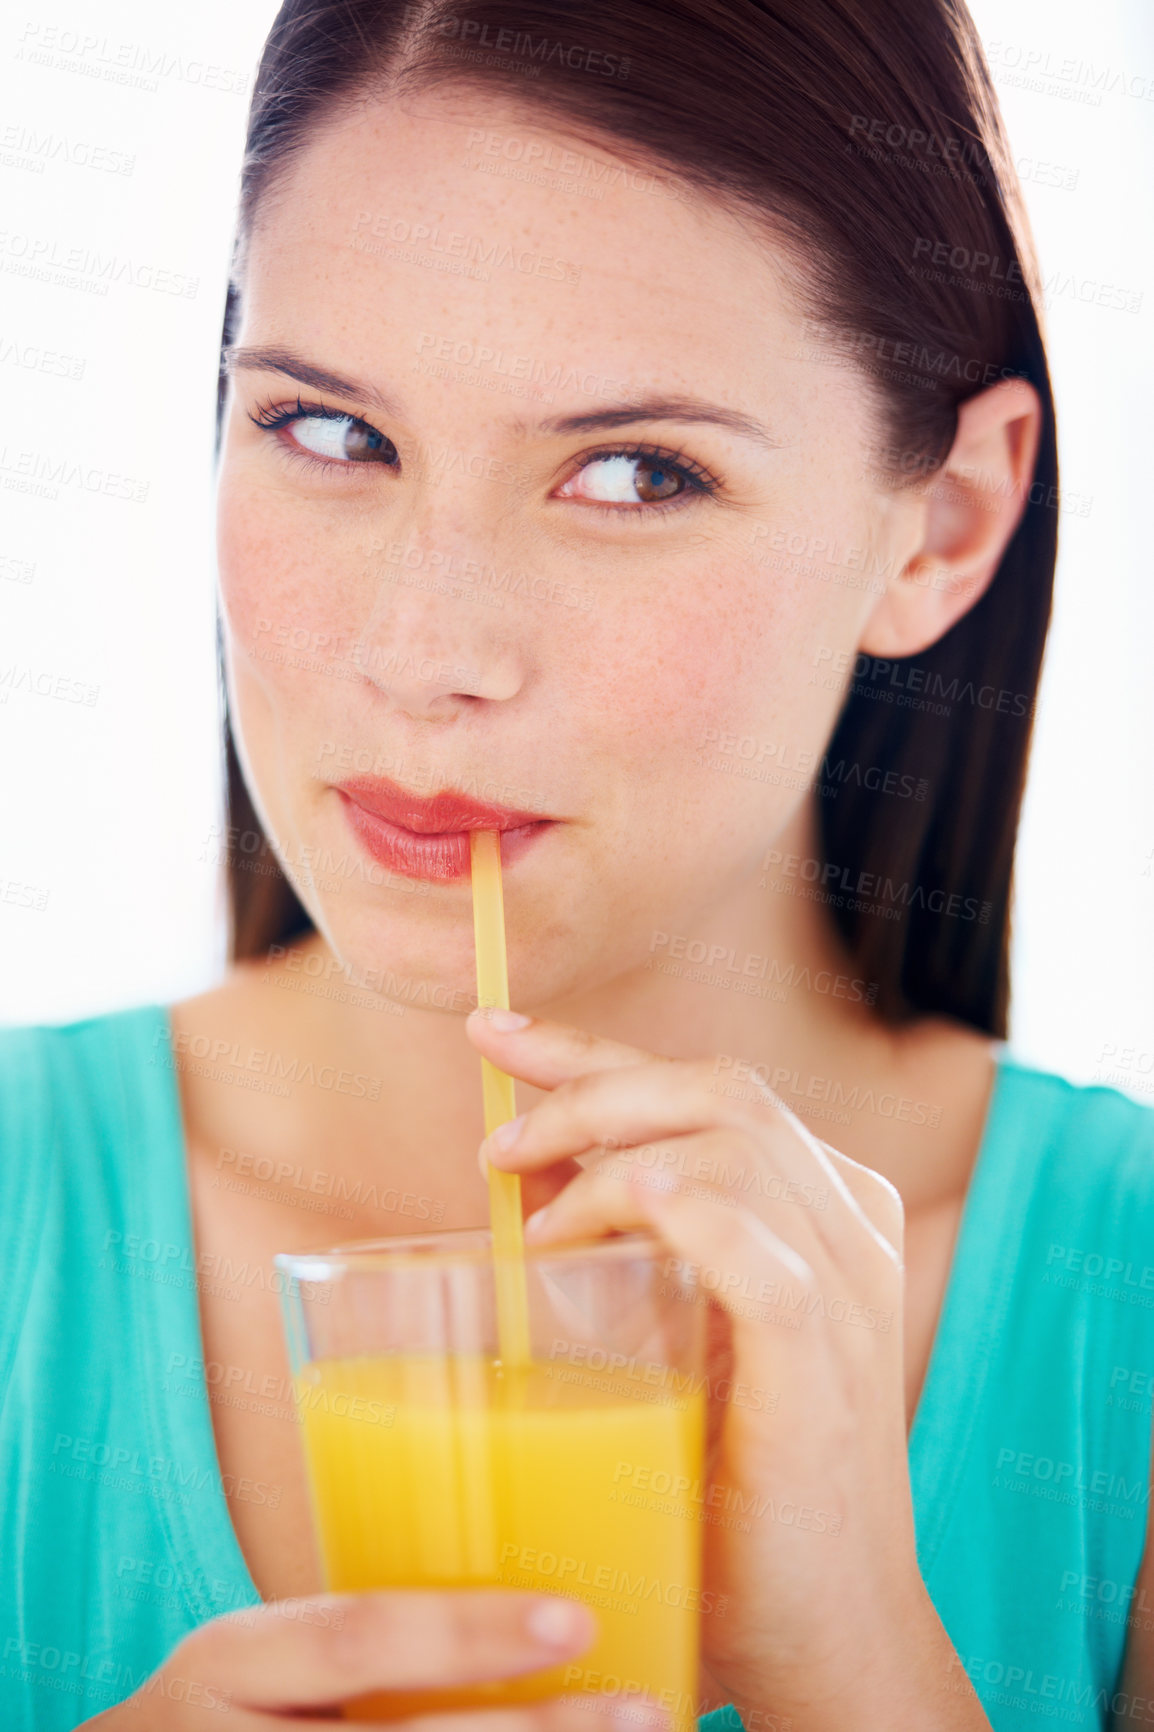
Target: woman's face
541, 549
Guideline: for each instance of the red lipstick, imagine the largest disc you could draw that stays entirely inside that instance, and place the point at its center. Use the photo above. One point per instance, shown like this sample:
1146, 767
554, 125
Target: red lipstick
429, 838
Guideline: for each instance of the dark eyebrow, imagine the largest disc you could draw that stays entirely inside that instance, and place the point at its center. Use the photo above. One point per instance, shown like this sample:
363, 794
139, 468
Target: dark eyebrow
274, 360
683, 408
657, 409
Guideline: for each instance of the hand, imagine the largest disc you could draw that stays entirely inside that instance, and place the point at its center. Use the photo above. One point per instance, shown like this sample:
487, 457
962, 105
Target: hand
800, 1248
303, 1658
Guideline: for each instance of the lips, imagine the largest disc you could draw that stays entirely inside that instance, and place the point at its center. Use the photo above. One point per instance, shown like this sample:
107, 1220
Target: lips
430, 838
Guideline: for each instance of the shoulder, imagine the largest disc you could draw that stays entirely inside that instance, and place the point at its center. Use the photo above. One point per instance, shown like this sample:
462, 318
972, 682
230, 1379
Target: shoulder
1073, 1163
31, 1049
1094, 1122
54, 1077
65, 1090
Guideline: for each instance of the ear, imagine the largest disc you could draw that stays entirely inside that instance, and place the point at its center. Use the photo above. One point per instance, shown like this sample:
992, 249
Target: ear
968, 513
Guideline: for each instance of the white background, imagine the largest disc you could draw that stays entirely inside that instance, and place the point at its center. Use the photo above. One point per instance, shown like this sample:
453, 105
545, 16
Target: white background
109, 808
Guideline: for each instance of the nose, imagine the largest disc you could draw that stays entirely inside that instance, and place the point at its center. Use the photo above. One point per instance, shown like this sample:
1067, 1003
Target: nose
432, 641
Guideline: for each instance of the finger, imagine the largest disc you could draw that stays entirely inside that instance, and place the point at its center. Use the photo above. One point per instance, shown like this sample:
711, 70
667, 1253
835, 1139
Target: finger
656, 1109
592, 1207
718, 1168
561, 1714
624, 1107
597, 1204
734, 1256
537, 1189
671, 1097
650, 1113
548, 1053
274, 1657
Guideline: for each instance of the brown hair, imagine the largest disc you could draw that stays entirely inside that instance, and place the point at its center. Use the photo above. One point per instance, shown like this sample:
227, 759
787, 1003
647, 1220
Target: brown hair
867, 133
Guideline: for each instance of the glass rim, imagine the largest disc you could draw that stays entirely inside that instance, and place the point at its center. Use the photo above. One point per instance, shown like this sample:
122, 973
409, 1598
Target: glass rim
457, 1247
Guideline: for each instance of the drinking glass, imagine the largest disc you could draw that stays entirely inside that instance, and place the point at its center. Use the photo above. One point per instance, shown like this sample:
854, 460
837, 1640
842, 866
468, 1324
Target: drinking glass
432, 1464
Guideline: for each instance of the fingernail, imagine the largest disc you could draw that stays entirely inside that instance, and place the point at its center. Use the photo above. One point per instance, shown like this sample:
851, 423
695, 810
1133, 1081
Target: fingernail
505, 1021
557, 1623
506, 1135
536, 1222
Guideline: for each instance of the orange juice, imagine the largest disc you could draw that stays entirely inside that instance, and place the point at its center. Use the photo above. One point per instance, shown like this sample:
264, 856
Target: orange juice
452, 1472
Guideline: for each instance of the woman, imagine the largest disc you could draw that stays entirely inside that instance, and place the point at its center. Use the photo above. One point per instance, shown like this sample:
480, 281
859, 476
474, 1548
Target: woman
636, 436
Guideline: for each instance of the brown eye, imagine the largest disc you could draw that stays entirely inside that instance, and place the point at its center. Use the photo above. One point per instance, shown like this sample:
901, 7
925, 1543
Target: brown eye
631, 478
342, 439
657, 481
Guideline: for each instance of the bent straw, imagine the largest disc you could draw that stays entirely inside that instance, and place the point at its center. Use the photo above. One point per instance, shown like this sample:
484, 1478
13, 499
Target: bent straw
499, 1099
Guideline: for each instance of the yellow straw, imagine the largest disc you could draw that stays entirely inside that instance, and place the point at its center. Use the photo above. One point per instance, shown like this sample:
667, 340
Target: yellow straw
500, 1101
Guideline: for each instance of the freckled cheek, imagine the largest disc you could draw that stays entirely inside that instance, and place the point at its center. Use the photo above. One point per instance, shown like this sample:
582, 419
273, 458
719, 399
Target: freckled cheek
674, 671
276, 581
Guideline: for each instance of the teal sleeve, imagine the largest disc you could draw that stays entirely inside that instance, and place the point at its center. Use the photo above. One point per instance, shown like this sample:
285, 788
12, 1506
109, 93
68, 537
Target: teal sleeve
25, 1153
725, 1719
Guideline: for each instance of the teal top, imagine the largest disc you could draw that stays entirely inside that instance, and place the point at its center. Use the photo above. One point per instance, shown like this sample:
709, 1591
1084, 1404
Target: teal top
1029, 1453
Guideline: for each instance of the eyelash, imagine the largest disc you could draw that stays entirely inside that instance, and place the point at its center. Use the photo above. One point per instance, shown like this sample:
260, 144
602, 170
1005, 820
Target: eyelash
699, 479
